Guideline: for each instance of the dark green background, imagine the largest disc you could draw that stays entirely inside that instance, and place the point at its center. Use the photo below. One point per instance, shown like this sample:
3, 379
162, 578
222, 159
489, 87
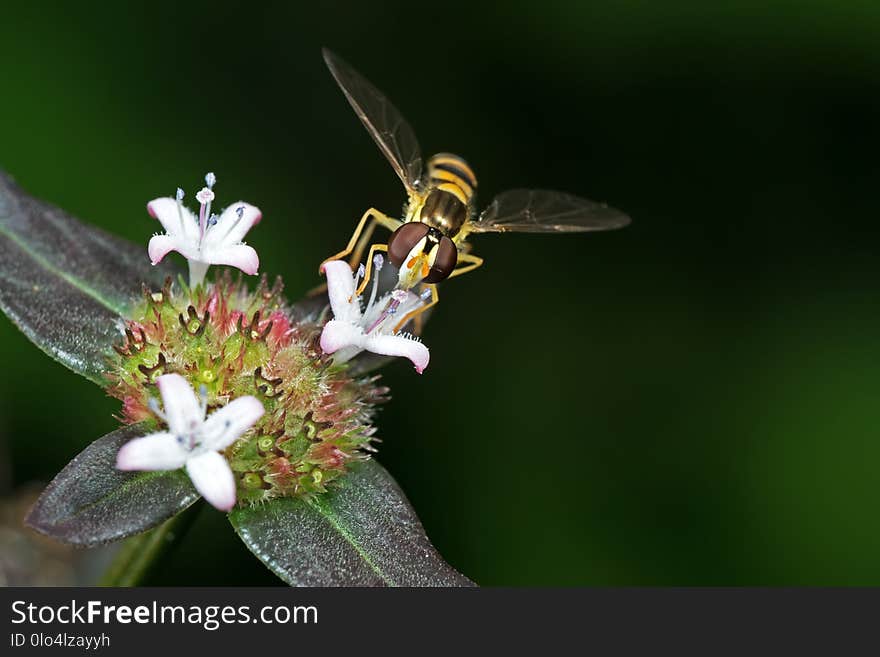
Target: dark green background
693, 400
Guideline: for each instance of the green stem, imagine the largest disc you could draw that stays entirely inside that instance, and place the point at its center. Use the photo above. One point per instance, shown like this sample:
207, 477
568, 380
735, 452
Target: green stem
139, 554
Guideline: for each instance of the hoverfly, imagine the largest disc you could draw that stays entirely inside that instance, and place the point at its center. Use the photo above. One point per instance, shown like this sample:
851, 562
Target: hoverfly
429, 244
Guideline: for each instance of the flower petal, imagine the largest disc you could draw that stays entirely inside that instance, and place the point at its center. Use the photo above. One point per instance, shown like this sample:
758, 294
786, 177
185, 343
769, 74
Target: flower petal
399, 345
230, 228
182, 409
175, 217
237, 255
340, 290
338, 334
226, 424
157, 451
160, 246
212, 477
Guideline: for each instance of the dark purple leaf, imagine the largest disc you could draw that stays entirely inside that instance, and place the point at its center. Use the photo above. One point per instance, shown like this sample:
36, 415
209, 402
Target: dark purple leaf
364, 533
90, 502
64, 283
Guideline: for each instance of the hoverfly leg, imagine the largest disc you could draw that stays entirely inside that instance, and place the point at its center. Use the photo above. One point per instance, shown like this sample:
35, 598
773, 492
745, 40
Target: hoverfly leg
362, 243
471, 263
317, 290
419, 322
357, 243
417, 313
368, 271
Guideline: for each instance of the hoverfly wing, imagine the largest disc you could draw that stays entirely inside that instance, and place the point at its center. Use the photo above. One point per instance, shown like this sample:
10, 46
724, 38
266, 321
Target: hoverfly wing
546, 211
392, 134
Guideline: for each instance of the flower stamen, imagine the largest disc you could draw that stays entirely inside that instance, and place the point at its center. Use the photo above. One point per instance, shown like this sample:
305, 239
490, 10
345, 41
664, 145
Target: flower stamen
155, 409
179, 198
359, 274
239, 211
203, 400
378, 262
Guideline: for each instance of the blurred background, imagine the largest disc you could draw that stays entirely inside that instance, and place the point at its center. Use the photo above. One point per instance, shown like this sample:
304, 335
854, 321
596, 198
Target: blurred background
692, 400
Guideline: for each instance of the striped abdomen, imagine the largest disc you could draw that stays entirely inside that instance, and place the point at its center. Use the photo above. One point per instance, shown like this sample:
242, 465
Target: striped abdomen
451, 185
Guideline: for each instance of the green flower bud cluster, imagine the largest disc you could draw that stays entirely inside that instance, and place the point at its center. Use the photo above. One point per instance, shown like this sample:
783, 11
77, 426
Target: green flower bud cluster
228, 342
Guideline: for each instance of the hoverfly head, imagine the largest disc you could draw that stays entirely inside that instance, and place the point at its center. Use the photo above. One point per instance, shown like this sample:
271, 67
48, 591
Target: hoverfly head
422, 254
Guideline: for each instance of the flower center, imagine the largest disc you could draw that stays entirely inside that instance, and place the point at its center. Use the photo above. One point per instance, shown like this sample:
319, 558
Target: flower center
395, 299
207, 220
190, 441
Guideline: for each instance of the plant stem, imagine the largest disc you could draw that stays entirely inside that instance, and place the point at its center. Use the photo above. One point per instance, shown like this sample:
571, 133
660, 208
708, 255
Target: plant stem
139, 554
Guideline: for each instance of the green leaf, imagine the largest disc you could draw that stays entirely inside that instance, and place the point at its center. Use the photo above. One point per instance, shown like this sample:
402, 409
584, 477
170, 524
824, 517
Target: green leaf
363, 533
90, 502
65, 284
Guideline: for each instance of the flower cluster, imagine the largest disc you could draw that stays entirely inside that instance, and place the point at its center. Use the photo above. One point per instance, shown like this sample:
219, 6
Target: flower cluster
256, 403
231, 344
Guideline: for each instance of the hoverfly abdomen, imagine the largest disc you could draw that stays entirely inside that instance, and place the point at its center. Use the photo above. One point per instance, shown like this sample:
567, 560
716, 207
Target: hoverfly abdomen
445, 166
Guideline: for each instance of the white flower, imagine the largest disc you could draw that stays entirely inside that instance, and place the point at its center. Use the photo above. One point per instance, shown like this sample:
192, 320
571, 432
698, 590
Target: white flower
207, 239
192, 440
352, 331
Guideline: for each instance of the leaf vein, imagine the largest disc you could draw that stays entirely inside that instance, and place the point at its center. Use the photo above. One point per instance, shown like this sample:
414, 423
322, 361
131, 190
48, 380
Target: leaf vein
77, 283
334, 521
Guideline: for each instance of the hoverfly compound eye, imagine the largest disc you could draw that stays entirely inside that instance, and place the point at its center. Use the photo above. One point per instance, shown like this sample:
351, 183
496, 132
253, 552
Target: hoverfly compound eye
404, 240
444, 263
